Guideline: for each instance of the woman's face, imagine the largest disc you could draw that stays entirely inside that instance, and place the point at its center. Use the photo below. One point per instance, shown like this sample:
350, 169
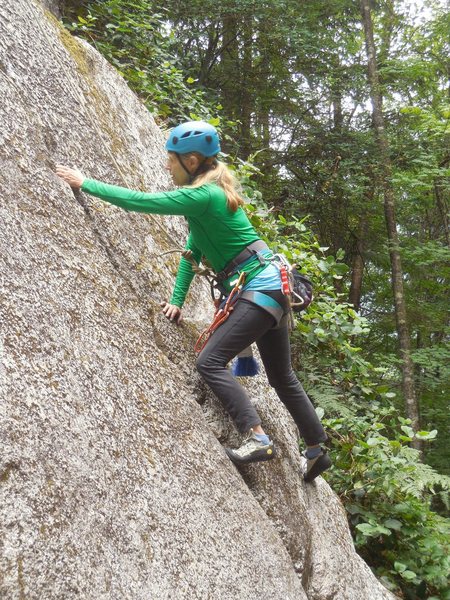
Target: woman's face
179, 175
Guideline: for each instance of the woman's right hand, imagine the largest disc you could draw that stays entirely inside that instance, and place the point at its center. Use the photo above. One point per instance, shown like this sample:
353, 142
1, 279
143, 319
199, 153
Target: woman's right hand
73, 177
172, 312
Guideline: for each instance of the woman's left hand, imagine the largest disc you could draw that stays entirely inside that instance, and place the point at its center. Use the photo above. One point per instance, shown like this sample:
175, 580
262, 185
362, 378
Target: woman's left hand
73, 177
172, 312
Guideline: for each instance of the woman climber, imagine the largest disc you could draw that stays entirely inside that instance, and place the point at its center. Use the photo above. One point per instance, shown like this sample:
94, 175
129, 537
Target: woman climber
220, 231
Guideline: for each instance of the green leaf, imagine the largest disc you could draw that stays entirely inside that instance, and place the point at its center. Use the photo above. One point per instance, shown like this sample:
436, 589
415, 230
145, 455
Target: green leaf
373, 441
408, 575
408, 430
372, 530
354, 509
393, 524
367, 529
341, 268
320, 412
400, 567
323, 266
426, 435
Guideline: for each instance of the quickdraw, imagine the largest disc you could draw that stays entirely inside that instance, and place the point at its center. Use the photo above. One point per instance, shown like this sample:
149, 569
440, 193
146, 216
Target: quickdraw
285, 284
221, 314
296, 287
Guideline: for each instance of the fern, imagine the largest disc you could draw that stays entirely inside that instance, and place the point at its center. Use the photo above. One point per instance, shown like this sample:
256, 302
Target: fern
419, 477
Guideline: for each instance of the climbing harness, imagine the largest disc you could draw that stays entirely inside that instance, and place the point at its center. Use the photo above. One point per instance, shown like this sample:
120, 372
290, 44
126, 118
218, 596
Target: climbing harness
216, 280
224, 304
296, 287
250, 251
222, 313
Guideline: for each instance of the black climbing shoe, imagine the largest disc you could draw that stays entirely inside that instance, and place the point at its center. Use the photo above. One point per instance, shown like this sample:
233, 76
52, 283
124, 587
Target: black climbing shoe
317, 465
252, 450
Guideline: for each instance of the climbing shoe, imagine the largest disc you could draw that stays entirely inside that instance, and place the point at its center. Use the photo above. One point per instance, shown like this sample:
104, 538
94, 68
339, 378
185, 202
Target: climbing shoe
252, 450
317, 465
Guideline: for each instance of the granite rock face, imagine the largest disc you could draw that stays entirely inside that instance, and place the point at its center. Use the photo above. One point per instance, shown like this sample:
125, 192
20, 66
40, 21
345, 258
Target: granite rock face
113, 480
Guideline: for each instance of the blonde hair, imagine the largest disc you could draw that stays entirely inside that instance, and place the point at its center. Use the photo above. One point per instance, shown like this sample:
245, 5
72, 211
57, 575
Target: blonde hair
217, 172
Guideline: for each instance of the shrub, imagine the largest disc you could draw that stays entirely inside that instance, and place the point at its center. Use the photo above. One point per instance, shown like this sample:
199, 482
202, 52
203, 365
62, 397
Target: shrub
387, 492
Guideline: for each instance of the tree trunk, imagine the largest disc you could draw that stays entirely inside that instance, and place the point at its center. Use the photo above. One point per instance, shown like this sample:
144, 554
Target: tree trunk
230, 62
442, 207
408, 385
245, 94
358, 264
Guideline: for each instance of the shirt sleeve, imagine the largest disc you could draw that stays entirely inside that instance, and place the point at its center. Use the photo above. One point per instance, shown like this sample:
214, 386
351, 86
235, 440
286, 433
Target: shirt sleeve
185, 275
190, 202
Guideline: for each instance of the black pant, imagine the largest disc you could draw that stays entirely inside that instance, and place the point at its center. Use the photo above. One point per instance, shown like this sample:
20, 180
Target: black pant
246, 324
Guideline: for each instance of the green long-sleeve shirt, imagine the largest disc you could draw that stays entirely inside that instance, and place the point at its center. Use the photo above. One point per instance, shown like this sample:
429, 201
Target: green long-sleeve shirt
215, 232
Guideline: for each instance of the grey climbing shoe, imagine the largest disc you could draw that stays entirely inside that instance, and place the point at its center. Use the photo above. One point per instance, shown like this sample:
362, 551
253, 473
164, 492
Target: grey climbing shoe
317, 465
252, 450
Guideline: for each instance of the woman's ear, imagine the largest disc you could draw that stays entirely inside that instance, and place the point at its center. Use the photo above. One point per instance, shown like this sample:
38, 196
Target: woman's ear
192, 163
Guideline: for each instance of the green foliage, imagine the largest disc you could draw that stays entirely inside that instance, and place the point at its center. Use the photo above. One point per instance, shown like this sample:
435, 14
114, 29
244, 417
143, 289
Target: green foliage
135, 39
387, 492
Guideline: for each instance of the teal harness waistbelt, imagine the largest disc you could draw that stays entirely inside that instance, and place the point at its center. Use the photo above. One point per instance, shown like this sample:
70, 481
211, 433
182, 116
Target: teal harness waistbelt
264, 301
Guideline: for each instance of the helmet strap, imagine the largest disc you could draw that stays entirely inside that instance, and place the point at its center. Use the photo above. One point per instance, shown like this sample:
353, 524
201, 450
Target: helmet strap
203, 167
191, 177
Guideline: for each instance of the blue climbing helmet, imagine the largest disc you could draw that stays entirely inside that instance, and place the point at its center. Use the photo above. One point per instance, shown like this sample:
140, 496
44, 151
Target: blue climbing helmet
194, 136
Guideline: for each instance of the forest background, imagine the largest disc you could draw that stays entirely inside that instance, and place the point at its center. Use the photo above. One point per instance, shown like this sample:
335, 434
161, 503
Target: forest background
335, 116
